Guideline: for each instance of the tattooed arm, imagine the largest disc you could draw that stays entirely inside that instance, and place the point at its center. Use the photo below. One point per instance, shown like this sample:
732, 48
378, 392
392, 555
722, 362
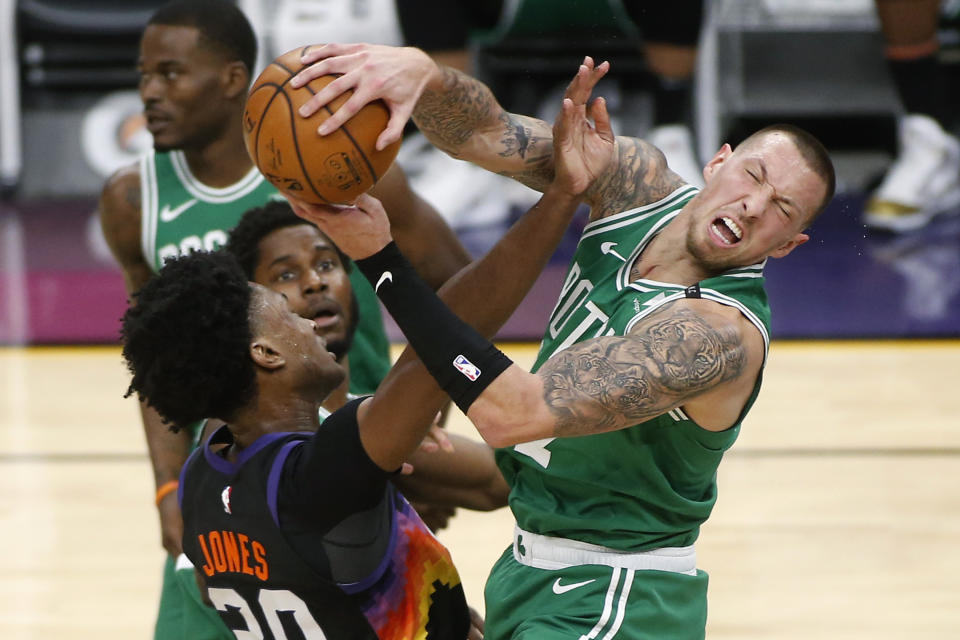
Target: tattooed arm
696, 354
460, 115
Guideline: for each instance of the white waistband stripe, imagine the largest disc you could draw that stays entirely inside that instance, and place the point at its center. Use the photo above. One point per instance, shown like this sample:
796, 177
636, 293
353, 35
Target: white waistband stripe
545, 552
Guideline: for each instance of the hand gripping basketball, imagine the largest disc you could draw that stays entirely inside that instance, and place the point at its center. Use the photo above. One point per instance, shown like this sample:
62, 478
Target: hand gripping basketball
285, 147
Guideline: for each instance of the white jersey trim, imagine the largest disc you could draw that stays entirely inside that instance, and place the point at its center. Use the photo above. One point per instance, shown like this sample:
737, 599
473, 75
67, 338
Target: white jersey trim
706, 294
623, 273
148, 209
631, 215
716, 296
206, 193
607, 606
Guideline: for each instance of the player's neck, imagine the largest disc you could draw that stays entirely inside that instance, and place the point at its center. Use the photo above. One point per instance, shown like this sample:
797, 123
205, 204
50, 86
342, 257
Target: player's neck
220, 163
666, 258
270, 414
338, 397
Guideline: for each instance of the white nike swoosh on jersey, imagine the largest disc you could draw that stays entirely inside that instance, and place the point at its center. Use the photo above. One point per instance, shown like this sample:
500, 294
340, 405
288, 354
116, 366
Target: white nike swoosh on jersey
561, 589
384, 277
169, 215
607, 247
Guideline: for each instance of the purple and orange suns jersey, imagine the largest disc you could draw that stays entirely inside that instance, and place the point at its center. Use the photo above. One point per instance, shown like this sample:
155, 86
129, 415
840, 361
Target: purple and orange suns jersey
302, 536
419, 588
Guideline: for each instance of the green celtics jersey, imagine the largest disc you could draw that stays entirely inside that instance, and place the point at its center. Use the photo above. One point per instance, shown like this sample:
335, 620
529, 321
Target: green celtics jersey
181, 214
653, 484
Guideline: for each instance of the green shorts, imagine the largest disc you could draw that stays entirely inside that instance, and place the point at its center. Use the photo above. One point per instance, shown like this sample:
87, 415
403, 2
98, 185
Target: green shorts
183, 615
591, 601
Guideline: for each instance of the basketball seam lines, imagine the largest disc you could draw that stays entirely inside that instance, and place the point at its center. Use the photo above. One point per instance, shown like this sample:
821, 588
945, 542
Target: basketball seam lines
346, 130
296, 142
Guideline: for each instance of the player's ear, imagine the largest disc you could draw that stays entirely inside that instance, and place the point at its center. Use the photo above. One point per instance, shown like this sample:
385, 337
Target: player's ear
236, 79
718, 159
789, 245
264, 355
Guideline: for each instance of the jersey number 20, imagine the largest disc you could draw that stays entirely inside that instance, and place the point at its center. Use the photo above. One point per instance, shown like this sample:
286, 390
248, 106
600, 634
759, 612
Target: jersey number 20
271, 602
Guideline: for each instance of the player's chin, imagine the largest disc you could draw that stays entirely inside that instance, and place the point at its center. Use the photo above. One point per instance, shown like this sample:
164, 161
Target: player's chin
163, 144
338, 345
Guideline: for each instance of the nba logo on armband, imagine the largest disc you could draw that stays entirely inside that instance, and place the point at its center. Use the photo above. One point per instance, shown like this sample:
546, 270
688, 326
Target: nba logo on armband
225, 498
466, 367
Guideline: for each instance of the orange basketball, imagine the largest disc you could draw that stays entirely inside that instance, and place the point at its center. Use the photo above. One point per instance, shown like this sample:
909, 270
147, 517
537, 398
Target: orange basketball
331, 169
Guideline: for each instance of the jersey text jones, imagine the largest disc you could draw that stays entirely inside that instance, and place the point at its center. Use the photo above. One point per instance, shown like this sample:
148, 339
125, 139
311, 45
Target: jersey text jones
229, 552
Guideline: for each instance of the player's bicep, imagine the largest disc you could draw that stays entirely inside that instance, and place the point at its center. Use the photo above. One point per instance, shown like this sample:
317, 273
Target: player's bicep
674, 355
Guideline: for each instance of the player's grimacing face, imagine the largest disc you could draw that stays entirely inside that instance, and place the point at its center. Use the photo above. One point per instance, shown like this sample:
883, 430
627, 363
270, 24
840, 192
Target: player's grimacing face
756, 203
303, 265
180, 87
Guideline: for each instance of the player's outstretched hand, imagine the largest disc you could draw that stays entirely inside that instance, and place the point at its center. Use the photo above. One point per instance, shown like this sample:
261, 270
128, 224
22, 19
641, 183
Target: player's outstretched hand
359, 230
582, 151
396, 75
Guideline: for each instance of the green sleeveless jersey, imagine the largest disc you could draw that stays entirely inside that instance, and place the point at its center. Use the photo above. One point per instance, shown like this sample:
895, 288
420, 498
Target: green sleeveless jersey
653, 484
181, 214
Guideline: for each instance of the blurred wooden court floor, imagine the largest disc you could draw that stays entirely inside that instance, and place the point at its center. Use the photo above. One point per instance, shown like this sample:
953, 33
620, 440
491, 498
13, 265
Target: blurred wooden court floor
838, 516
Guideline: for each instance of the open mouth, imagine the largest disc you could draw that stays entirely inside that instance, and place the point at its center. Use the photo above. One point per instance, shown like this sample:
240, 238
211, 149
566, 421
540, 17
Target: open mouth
326, 318
155, 118
727, 230
155, 124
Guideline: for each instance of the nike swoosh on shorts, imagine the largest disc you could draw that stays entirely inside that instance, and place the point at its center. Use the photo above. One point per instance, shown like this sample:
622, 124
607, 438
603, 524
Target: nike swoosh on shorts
560, 589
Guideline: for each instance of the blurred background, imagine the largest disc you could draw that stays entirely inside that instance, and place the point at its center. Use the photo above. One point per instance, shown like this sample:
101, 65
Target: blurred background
866, 315
70, 116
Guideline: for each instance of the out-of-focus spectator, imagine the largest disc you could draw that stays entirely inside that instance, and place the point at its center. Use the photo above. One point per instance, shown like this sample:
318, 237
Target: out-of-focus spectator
924, 180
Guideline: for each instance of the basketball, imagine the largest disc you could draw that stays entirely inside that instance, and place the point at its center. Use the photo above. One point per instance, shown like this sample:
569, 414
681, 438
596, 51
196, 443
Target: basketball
285, 147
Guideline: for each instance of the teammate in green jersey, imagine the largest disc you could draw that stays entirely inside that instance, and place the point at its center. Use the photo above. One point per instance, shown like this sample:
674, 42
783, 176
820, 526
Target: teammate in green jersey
196, 63
651, 359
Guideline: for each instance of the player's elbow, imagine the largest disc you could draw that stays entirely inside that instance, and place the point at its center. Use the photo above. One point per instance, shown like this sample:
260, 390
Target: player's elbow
493, 423
510, 411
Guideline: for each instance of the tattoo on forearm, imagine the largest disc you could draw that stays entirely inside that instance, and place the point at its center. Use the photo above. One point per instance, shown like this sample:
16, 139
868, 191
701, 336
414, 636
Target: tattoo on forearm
451, 116
465, 108
522, 138
640, 177
610, 383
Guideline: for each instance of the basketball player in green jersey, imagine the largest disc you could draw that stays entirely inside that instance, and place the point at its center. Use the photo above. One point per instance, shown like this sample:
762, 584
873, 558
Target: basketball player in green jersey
195, 67
651, 359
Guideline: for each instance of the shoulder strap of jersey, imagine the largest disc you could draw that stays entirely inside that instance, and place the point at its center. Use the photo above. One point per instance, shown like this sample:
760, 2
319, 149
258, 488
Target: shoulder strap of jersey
148, 206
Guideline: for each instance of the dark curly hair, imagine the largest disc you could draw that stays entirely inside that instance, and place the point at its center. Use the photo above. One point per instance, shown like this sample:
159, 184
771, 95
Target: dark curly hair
222, 26
256, 224
186, 339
